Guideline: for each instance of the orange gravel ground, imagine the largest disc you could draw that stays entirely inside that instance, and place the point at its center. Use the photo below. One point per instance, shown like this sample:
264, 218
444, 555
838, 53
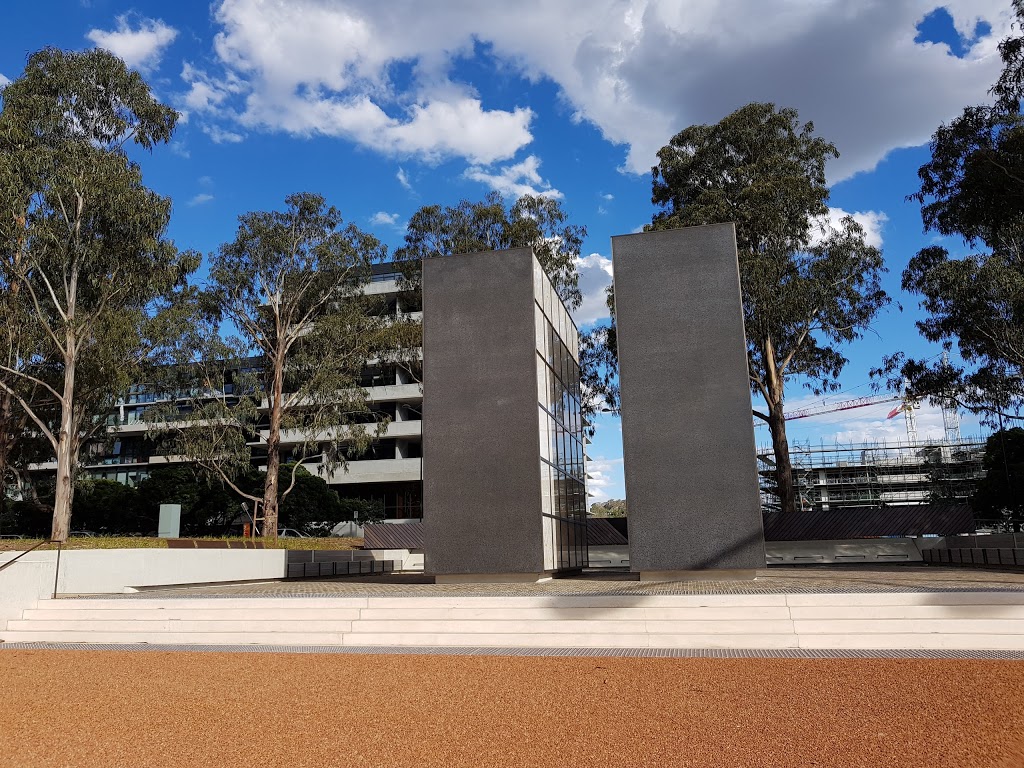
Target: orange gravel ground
121, 709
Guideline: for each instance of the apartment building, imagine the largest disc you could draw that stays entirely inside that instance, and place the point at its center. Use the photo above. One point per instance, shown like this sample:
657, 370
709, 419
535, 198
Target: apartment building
389, 471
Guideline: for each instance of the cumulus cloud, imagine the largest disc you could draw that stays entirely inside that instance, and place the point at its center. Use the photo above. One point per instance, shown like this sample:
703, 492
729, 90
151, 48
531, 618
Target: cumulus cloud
866, 424
871, 221
140, 46
383, 218
638, 70
595, 273
221, 135
603, 474
515, 180
403, 179
310, 68
4, 80
199, 199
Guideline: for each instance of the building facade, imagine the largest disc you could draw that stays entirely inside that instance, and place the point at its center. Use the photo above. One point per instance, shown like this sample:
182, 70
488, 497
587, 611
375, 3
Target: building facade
389, 472
878, 474
504, 477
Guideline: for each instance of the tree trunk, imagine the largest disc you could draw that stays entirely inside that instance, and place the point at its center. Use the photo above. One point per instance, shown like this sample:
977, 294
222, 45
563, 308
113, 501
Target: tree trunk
7, 438
65, 452
783, 466
270, 487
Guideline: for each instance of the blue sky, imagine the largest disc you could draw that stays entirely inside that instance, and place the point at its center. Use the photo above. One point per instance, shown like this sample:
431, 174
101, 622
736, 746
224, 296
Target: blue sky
386, 107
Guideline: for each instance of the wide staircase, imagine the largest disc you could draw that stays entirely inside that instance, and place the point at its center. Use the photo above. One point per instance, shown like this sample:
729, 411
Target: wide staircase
991, 620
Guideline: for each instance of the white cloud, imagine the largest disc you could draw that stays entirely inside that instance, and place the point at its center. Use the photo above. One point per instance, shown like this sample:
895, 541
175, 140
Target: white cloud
868, 429
199, 199
310, 68
179, 148
4, 80
865, 424
595, 273
222, 136
384, 218
639, 70
871, 221
140, 47
516, 180
403, 179
608, 196
602, 475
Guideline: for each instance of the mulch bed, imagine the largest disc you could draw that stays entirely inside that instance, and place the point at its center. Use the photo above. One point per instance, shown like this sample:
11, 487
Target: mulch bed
123, 709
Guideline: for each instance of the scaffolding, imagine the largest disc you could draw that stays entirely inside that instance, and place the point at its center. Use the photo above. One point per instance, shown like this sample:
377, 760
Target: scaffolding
875, 474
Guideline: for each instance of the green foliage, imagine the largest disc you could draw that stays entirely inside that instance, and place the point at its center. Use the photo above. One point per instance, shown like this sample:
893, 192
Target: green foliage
972, 187
1000, 494
808, 288
84, 242
311, 501
535, 222
291, 284
610, 508
362, 511
109, 507
802, 294
531, 222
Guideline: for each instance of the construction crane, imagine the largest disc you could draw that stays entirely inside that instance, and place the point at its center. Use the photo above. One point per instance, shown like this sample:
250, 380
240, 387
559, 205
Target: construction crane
907, 406
842, 405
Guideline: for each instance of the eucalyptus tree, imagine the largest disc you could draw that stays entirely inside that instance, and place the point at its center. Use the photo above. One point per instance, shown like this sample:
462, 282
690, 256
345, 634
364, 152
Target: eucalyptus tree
972, 188
291, 329
532, 221
85, 243
807, 287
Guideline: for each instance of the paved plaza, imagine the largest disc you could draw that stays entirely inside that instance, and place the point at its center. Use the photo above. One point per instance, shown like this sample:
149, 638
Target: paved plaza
596, 583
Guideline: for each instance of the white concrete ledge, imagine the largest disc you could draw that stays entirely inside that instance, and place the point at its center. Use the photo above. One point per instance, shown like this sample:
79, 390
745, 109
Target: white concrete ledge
935, 620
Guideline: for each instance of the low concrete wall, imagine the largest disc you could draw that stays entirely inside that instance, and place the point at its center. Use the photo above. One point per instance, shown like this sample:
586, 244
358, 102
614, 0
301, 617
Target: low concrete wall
842, 551
106, 571
404, 559
973, 541
978, 557
23, 584
608, 556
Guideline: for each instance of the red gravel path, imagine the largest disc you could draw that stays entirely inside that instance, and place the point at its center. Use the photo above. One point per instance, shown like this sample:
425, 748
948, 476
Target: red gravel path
102, 708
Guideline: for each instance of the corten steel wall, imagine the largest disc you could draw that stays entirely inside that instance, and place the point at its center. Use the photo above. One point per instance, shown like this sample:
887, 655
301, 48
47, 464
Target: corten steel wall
688, 438
481, 452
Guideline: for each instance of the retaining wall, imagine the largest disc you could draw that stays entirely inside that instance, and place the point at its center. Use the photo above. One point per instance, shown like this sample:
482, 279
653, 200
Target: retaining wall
106, 571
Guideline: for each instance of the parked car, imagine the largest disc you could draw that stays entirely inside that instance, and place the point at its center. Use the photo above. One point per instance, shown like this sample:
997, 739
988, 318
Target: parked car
291, 533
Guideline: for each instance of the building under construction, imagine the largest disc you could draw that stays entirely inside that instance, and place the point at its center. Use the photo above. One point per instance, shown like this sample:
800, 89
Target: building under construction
877, 474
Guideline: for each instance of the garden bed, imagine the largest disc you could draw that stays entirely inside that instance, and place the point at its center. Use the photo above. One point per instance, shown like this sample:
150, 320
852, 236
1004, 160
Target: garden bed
151, 542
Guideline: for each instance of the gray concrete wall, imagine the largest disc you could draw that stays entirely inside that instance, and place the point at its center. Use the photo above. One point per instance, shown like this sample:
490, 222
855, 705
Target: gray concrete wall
843, 551
688, 439
481, 453
104, 571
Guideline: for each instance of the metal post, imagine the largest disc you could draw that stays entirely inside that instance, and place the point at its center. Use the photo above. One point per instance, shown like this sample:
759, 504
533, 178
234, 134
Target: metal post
56, 571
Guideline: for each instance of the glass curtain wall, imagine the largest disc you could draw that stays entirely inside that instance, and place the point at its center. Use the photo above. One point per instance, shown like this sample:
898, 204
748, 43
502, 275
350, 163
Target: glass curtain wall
563, 483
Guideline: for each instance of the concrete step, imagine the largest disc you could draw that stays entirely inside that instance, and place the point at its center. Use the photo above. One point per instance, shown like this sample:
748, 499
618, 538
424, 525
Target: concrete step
950, 641
585, 626
905, 598
198, 603
256, 611
916, 626
178, 625
951, 620
215, 613
908, 612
